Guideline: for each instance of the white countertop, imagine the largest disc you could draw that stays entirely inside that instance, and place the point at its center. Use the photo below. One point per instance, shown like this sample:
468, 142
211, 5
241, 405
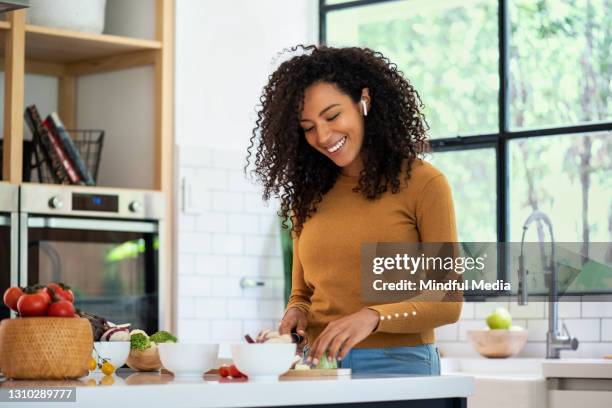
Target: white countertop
195, 392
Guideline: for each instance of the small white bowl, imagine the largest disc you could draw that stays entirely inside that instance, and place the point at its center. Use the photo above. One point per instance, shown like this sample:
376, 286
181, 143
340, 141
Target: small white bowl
116, 352
188, 359
263, 361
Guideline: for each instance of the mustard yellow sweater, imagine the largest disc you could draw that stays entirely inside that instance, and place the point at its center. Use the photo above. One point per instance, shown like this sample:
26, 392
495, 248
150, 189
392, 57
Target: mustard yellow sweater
326, 280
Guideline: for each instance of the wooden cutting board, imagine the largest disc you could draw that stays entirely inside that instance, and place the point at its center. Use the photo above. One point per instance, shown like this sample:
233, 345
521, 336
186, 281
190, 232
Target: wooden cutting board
321, 372
213, 375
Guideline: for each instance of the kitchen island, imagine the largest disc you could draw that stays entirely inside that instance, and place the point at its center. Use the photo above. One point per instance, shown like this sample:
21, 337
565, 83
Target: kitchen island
129, 388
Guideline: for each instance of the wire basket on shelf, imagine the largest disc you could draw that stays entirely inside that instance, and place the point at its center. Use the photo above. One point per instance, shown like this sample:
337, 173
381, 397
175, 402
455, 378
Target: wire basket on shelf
89, 145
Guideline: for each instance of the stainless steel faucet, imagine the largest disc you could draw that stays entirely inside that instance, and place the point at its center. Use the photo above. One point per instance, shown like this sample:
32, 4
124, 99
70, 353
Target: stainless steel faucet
555, 342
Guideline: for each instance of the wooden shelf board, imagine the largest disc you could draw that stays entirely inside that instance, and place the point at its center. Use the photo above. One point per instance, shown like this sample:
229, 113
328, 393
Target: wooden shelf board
110, 189
5, 25
64, 46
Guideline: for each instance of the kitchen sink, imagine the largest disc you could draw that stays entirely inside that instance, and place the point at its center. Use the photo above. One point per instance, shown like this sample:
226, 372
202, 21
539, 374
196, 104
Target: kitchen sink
499, 367
501, 383
534, 382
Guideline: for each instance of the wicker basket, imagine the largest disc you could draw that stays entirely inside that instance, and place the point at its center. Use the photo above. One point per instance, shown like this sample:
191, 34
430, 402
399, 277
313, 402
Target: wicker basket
45, 348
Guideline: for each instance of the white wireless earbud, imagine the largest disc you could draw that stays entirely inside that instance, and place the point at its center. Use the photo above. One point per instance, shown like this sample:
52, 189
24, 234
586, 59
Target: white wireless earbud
365, 107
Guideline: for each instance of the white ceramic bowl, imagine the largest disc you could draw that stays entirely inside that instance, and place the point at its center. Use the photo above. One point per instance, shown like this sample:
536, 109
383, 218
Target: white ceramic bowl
116, 352
263, 361
188, 359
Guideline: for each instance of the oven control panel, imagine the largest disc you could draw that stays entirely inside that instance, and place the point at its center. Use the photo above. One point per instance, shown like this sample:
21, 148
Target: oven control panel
91, 202
95, 202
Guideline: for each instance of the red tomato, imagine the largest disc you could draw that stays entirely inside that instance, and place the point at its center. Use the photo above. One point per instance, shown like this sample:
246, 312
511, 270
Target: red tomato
234, 372
43, 291
69, 295
63, 308
224, 371
34, 304
11, 296
61, 292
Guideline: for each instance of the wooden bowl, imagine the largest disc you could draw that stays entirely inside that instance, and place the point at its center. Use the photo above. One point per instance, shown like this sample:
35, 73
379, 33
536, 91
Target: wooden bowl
498, 343
147, 360
45, 348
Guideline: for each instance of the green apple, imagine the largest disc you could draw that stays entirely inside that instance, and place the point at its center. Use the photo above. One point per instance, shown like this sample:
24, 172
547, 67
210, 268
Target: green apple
499, 319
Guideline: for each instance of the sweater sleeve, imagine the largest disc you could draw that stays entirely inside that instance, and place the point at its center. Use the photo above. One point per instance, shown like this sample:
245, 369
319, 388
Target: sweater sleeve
300, 292
435, 216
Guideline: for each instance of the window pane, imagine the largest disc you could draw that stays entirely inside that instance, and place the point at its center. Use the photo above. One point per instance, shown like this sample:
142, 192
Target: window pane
471, 174
567, 177
560, 62
448, 50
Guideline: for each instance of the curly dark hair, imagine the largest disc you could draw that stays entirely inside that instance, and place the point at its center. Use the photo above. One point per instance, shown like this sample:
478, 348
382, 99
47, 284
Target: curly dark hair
395, 130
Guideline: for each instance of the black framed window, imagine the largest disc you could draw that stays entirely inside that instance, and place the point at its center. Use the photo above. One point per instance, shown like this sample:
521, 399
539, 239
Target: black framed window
519, 100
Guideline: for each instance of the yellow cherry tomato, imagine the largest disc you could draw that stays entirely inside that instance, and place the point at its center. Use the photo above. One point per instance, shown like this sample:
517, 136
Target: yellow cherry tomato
107, 380
92, 364
107, 368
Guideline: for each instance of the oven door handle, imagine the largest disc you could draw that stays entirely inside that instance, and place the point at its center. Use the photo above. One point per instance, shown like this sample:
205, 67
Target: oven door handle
92, 224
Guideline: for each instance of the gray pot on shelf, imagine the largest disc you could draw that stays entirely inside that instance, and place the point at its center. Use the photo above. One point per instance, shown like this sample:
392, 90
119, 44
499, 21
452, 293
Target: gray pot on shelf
76, 15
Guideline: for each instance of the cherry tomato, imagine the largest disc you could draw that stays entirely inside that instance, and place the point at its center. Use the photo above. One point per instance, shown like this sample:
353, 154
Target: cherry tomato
34, 304
92, 364
224, 371
62, 291
63, 308
107, 368
11, 296
234, 372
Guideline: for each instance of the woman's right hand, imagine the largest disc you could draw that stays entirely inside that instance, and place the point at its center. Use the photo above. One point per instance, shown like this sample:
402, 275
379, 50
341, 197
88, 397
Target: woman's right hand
294, 320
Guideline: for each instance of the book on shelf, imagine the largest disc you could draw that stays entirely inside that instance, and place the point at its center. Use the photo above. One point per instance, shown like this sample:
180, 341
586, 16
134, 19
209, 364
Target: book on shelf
71, 172
41, 138
58, 130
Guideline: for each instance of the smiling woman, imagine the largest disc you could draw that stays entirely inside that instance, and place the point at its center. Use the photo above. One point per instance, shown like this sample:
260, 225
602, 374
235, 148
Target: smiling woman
338, 138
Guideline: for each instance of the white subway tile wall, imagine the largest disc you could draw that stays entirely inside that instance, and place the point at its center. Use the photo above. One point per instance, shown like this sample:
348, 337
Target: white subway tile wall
606, 330
225, 233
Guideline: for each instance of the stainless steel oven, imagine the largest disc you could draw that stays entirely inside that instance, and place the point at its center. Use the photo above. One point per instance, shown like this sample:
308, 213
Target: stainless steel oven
104, 243
9, 229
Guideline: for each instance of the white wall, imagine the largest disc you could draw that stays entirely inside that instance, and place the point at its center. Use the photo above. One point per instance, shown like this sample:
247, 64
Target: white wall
224, 55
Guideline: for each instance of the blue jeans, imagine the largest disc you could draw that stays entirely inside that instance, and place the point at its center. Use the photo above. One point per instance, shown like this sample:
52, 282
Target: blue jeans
417, 360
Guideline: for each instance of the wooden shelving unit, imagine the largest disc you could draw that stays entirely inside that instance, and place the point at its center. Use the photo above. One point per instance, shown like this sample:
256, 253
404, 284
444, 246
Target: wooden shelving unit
69, 55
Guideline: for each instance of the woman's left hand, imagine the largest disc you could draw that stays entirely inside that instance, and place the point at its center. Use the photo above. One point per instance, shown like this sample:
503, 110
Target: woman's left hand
343, 334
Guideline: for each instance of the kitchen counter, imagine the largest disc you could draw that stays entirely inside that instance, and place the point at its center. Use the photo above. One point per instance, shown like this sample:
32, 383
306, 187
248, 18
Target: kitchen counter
578, 382
577, 368
163, 390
